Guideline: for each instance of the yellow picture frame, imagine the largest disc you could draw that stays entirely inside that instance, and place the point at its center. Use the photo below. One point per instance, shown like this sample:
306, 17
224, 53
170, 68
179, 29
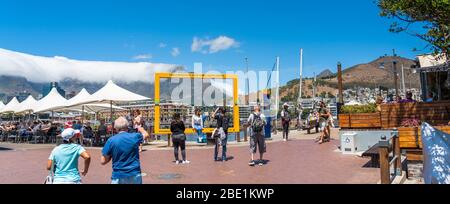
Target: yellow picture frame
158, 76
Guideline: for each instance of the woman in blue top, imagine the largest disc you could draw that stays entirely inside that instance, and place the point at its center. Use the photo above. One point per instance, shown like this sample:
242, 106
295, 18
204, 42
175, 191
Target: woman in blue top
64, 159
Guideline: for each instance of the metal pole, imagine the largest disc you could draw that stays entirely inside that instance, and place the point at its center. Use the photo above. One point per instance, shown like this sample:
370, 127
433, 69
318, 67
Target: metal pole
314, 85
247, 98
111, 118
340, 84
301, 76
247, 84
395, 75
82, 114
277, 93
403, 79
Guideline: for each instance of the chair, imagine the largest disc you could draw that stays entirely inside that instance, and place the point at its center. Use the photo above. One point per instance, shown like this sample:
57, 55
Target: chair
12, 135
37, 135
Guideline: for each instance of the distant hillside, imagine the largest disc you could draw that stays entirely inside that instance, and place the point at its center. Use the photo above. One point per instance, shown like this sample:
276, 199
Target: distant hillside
379, 72
12, 85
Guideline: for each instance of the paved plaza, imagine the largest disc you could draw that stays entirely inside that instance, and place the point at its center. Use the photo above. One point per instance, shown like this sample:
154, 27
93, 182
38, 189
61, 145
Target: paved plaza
299, 161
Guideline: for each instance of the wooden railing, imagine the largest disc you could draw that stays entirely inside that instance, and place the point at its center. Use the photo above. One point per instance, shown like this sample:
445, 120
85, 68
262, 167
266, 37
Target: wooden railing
436, 113
386, 147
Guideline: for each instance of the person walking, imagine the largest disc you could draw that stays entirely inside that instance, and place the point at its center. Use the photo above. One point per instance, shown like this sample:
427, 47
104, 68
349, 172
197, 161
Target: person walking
64, 159
123, 150
285, 121
256, 123
197, 124
221, 133
177, 128
324, 121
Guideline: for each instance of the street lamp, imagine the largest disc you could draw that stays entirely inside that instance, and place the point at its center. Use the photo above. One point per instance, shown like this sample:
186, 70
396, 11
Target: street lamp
394, 65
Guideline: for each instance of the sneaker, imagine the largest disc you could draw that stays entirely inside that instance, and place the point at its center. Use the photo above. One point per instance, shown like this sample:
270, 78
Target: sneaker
260, 163
251, 163
186, 162
285, 140
177, 162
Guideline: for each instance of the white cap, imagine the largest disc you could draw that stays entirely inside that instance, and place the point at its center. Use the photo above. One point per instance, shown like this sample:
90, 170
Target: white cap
68, 133
286, 104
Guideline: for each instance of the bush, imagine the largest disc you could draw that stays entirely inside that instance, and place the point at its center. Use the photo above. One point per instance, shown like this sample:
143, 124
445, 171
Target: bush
371, 108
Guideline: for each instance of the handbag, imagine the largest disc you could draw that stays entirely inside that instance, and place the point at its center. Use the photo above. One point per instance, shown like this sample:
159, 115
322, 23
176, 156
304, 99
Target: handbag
179, 137
50, 176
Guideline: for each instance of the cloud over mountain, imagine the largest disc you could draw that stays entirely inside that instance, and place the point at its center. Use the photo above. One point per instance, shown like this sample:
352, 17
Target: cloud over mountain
45, 69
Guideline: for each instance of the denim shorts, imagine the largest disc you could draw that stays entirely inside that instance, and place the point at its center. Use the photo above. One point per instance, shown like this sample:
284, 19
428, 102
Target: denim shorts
66, 182
128, 180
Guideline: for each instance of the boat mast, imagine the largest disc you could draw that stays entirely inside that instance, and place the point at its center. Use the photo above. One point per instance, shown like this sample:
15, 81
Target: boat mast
277, 102
301, 76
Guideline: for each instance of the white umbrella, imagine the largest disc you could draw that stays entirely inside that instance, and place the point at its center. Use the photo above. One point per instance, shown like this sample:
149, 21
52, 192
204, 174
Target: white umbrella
95, 107
26, 106
79, 98
2, 105
51, 102
11, 106
111, 93
353, 103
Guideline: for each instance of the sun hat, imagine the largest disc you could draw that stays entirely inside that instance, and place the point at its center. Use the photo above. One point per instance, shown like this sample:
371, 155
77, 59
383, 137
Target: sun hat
69, 133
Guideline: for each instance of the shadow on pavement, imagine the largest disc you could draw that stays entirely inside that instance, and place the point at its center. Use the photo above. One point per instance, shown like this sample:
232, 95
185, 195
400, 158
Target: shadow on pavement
5, 149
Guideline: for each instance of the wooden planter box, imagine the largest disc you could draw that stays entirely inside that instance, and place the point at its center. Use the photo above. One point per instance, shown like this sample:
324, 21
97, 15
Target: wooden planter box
410, 137
360, 121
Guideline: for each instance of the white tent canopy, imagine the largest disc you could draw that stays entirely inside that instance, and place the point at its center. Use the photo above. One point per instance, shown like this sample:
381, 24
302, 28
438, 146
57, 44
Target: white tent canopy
27, 105
113, 93
79, 98
2, 105
52, 101
353, 103
93, 108
11, 106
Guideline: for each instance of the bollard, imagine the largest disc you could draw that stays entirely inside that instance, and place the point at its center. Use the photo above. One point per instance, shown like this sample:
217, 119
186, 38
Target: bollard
169, 141
245, 135
384, 162
238, 137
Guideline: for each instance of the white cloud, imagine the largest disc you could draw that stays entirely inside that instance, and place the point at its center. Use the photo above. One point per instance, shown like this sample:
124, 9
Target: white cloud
218, 44
143, 57
162, 45
46, 69
175, 52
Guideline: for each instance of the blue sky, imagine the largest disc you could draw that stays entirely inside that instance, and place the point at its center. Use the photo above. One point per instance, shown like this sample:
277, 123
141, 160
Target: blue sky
349, 31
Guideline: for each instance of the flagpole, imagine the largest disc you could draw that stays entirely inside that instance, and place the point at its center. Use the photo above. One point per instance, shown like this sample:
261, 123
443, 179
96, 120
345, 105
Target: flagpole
301, 75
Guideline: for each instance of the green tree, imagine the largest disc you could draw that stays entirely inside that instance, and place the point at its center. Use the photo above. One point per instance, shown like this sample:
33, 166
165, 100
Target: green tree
433, 16
323, 94
331, 95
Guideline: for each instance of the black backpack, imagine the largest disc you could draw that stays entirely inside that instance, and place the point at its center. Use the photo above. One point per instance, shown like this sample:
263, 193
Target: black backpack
258, 123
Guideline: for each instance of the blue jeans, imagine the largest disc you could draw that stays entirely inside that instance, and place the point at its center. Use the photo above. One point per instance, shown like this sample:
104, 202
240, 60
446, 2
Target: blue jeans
222, 143
128, 180
200, 136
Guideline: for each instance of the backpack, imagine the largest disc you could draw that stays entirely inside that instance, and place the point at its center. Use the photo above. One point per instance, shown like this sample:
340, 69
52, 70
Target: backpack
225, 123
258, 123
